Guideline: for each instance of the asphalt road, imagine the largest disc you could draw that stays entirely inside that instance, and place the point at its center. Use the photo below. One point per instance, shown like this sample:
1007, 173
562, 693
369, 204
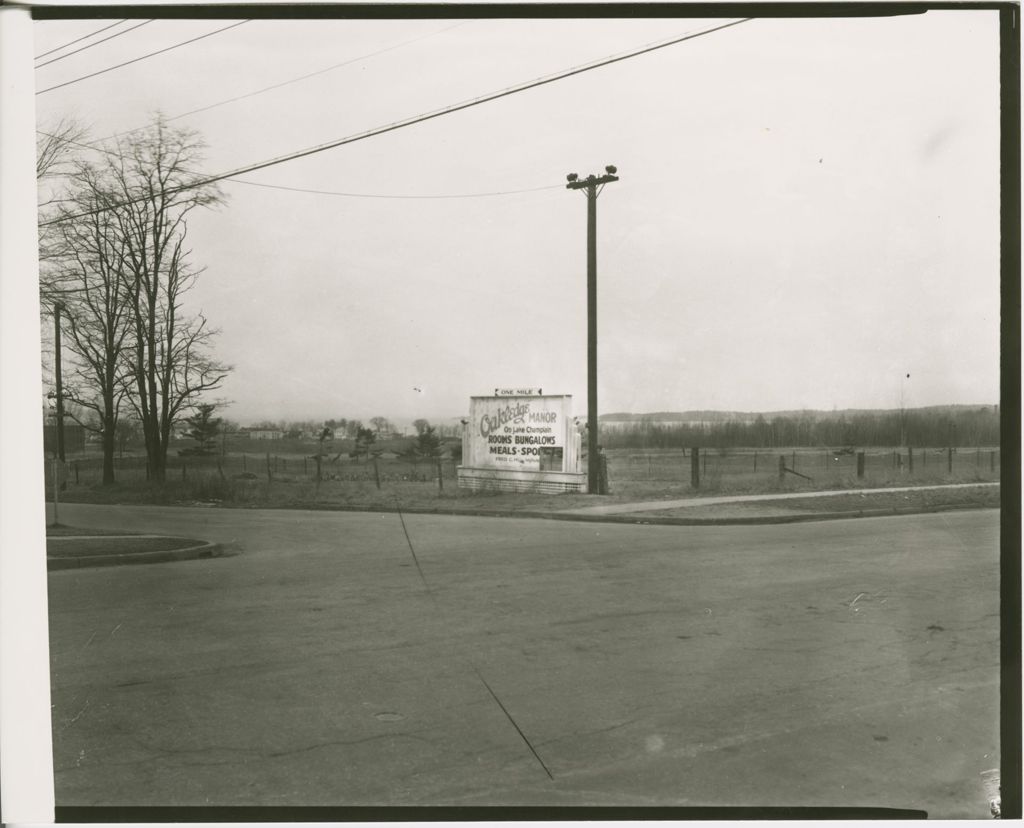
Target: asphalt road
846, 663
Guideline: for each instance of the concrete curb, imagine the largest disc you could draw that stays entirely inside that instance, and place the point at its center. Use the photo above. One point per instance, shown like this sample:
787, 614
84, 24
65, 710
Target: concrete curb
188, 553
635, 517
764, 520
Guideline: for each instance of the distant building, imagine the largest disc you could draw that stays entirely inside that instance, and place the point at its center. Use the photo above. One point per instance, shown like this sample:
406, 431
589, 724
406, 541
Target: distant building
264, 434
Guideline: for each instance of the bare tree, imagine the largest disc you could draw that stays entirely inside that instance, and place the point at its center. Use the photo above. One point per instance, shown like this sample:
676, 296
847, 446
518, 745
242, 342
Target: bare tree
128, 431
86, 273
54, 147
325, 435
172, 360
56, 162
142, 192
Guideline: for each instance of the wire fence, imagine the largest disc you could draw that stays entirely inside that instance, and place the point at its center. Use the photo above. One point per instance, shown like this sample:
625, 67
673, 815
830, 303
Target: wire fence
713, 469
816, 466
87, 470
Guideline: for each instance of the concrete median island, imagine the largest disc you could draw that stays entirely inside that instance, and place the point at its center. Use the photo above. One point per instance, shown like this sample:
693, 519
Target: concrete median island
72, 548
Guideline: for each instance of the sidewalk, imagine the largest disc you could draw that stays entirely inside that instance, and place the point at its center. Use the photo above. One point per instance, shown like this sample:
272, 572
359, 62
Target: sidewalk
657, 505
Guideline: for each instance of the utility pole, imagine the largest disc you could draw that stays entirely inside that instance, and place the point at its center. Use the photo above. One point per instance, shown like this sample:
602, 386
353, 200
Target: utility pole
903, 412
57, 308
592, 186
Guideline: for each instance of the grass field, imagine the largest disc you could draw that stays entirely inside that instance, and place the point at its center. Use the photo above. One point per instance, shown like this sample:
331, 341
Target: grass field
751, 471
288, 479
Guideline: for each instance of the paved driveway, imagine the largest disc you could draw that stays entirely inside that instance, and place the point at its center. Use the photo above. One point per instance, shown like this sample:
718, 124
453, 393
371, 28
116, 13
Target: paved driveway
542, 662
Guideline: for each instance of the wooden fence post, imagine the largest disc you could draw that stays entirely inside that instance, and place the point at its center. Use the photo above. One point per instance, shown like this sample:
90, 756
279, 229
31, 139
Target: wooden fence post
910, 459
755, 459
376, 471
782, 467
184, 466
270, 476
860, 464
440, 477
695, 467
991, 464
949, 460
76, 472
794, 460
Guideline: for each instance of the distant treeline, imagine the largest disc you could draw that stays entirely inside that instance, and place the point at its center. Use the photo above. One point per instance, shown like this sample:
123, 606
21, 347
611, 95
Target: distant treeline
931, 427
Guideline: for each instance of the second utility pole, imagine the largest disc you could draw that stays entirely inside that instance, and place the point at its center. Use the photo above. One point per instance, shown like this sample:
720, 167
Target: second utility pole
592, 185
59, 424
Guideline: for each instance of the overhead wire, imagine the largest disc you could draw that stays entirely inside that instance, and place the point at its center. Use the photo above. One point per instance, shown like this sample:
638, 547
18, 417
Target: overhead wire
97, 43
141, 57
291, 80
80, 39
395, 196
114, 154
397, 125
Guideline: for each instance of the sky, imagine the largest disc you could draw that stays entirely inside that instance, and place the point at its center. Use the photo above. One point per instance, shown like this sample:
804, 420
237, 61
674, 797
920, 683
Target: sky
807, 210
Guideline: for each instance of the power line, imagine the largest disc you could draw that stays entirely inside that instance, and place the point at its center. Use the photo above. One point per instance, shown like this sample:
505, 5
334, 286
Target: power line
80, 39
392, 196
114, 154
97, 43
291, 80
448, 110
143, 57
395, 196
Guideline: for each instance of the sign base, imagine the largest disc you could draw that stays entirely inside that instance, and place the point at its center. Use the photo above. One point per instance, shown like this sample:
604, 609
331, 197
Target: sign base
520, 480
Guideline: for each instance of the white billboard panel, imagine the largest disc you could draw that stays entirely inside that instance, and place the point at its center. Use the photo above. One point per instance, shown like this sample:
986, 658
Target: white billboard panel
519, 433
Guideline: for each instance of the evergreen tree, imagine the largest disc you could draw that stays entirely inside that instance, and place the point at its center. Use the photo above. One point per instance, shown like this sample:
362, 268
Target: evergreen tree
428, 444
365, 438
205, 428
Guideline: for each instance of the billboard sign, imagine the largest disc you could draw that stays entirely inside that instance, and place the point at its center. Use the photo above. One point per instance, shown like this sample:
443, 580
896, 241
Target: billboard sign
519, 433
